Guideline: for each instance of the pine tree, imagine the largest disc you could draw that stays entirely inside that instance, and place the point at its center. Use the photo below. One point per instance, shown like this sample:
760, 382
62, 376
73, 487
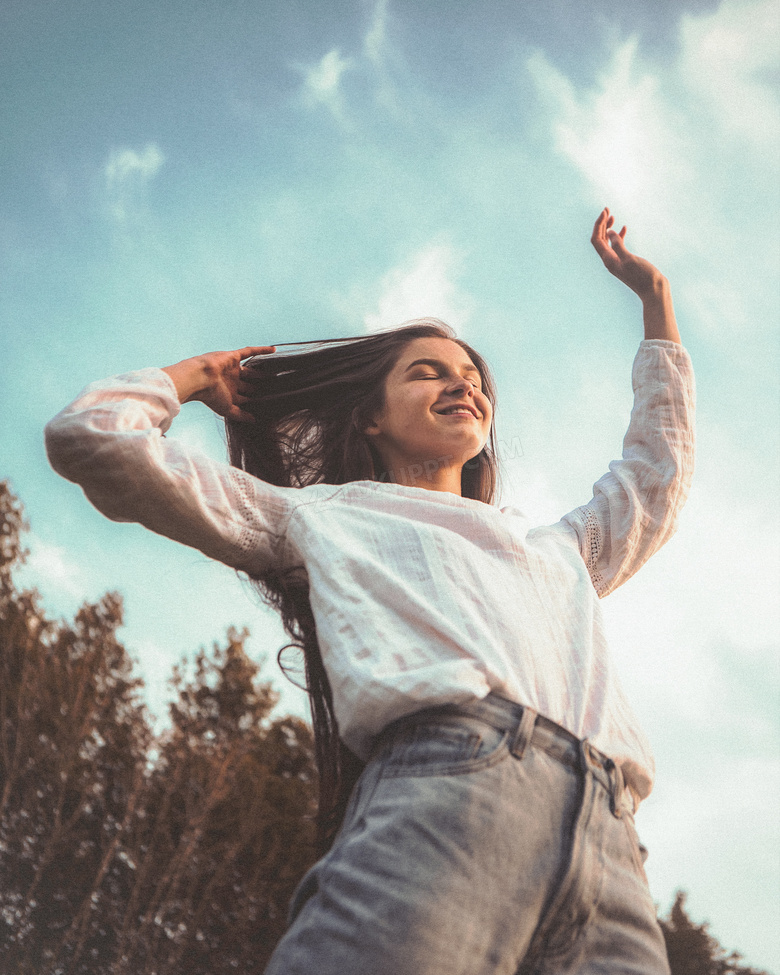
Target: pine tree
122, 853
228, 830
73, 743
692, 950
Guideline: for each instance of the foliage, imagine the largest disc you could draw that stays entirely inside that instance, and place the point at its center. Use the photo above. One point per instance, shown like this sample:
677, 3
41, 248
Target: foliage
693, 950
121, 852
228, 811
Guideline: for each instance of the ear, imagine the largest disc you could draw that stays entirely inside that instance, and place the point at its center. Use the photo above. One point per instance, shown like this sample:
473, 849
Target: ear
370, 429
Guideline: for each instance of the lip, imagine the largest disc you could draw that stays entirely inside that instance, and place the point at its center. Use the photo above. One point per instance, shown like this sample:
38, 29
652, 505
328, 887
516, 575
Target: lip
459, 406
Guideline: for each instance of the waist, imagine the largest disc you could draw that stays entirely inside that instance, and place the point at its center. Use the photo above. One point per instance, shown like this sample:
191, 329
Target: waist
524, 727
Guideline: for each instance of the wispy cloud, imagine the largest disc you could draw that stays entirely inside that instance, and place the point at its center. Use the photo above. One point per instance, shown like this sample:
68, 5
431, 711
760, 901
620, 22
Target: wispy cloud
127, 172
727, 60
424, 285
375, 40
49, 569
638, 134
378, 52
322, 83
618, 133
668, 146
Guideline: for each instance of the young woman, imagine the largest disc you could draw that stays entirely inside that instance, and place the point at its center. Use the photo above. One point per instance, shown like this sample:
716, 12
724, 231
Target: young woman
455, 656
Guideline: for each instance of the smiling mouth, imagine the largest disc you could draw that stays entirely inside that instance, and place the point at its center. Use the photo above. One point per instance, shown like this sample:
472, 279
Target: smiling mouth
458, 411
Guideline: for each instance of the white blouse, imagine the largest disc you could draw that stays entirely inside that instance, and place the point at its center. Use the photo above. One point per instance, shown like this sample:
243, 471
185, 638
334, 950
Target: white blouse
420, 597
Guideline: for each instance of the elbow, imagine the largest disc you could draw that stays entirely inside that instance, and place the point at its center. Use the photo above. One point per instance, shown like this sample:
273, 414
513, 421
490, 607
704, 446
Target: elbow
678, 485
96, 463
58, 446
74, 450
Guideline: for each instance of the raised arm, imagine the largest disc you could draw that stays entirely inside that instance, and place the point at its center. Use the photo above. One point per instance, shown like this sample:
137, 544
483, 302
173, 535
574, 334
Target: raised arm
111, 441
635, 506
645, 280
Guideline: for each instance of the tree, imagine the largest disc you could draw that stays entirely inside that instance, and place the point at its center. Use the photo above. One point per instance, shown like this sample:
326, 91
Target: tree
73, 744
121, 852
693, 950
228, 829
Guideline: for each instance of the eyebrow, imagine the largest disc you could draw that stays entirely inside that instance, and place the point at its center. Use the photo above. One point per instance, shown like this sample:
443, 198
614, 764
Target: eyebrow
438, 364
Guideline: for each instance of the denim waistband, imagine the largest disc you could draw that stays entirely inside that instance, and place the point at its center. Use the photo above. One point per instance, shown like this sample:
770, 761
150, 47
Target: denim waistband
526, 727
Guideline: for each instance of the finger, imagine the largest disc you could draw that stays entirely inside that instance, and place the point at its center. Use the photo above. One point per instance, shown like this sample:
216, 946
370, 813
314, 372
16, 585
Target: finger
598, 226
604, 251
240, 416
248, 397
251, 376
600, 242
251, 350
616, 241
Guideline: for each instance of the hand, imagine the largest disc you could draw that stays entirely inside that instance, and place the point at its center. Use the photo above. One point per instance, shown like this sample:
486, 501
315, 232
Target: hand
216, 380
638, 274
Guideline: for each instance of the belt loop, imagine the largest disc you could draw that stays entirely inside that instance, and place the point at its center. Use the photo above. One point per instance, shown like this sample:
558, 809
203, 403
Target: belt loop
591, 756
618, 785
525, 730
585, 754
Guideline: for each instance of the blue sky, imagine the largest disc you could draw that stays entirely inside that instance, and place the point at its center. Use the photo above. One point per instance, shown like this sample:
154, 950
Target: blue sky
182, 177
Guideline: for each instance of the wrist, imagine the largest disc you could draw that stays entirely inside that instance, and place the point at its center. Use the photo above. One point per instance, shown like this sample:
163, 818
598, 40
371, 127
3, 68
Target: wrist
190, 377
658, 312
657, 291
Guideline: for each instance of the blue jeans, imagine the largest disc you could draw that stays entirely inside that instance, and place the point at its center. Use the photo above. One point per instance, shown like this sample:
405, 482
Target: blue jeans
479, 840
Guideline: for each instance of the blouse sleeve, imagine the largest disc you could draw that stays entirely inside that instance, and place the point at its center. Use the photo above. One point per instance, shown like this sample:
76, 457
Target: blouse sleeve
110, 440
635, 506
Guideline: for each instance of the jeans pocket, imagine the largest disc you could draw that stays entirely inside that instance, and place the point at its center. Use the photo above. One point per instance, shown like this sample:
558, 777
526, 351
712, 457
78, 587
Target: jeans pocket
446, 748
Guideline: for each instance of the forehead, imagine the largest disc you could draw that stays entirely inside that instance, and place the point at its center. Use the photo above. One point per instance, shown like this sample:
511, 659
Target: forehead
441, 349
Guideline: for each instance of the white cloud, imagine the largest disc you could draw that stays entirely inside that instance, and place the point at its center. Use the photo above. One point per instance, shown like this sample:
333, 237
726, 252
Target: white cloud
421, 287
665, 147
618, 134
322, 82
49, 569
378, 51
714, 833
375, 41
126, 173
636, 132
727, 60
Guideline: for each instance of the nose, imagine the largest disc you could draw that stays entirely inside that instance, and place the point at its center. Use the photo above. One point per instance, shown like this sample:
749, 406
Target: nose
459, 384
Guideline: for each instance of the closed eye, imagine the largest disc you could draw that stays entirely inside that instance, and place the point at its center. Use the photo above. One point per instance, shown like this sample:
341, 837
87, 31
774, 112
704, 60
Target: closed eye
473, 382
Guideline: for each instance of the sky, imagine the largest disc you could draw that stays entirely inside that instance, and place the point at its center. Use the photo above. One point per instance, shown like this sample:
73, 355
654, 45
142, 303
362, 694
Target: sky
183, 177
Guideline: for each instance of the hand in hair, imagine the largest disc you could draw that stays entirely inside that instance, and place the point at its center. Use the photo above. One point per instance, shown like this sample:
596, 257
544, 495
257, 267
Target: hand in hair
642, 277
216, 379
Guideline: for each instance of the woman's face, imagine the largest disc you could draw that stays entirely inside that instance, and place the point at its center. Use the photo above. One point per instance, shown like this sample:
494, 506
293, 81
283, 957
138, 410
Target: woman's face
435, 414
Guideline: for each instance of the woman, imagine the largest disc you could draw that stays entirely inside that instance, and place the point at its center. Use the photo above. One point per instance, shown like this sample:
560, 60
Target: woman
457, 654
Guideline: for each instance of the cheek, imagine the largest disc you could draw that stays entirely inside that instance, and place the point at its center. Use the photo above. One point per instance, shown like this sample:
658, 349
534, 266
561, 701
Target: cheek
487, 412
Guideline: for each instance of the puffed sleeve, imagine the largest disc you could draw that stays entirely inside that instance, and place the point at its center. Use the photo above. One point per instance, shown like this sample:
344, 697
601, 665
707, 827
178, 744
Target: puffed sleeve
110, 440
635, 507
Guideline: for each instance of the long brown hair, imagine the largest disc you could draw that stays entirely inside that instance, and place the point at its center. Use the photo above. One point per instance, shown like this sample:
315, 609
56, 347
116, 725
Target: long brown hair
312, 408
